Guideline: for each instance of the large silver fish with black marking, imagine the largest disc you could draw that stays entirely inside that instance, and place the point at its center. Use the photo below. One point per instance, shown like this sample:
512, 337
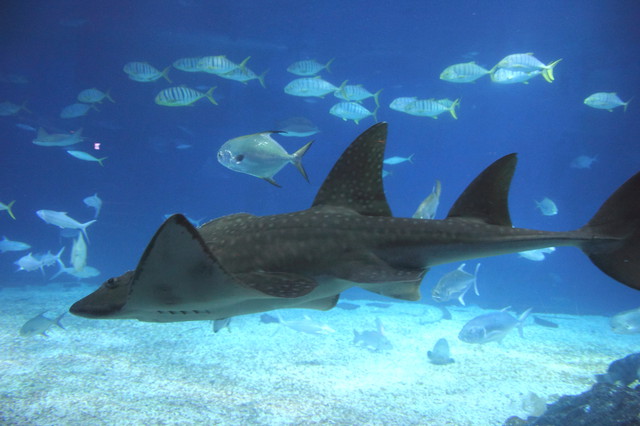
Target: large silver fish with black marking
242, 264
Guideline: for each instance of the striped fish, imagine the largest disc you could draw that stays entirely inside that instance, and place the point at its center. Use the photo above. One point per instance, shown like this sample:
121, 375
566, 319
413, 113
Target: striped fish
182, 96
90, 96
507, 76
143, 72
431, 108
219, 64
315, 86
308, 67
526, 62
400, 104
352, 111
463, 73
604, 100
243, 75
188, 64
356, 93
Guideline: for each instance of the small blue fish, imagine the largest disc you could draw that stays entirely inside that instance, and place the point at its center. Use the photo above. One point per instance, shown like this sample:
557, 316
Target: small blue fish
260, 155
547, 207
397, 160
94, 202
81, 155
8, 245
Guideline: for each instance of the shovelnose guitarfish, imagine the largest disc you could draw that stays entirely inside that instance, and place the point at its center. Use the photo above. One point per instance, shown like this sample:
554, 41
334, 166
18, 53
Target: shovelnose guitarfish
242, 264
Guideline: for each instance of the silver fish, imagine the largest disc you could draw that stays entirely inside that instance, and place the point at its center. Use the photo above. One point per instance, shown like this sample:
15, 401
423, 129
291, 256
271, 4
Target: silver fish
441, 354
260, 155
8, 245
427, 209
456, 284
547, 207
627, 322
94, 202
492, 327
307, 325
61, 220
374, 340
40, 324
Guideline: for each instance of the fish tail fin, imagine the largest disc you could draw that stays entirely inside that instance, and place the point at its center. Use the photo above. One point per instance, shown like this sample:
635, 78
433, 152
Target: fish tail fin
57, 321
108, 96
341, 87
61, 269
85, 226
626, 104
296, 159
165, 74
521, 320
475, 279
375, 98
261, 78
59, 254
613, 234
100, 160
328, 64
375, 112
209, 95
452, 109
547, 73
11, 211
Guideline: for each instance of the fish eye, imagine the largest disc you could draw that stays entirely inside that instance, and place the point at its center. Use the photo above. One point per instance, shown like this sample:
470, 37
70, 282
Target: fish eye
111, 283
238, 158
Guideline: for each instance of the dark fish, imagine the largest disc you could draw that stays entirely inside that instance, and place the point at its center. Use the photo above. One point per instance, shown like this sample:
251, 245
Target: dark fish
268, 319
374, 340
544, 322
625, 371
347, 306
491, 327
440, 354
242, 264
40, 324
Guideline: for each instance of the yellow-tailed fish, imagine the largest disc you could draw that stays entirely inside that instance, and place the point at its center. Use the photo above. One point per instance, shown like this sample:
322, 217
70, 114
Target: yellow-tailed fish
188, 64
182, 96
308, 67
428, 207
526, 62
143, 72
463, 73
356, 93
605, 100
90, 96
314, 86
431, 108
352, 111
219, 64
7, 207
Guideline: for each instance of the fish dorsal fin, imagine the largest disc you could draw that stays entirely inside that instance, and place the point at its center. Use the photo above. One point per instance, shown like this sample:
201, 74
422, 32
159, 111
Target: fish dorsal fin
486, 198
355, 182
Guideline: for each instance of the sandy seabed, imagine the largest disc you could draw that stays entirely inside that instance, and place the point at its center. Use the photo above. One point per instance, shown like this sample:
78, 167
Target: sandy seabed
128, 372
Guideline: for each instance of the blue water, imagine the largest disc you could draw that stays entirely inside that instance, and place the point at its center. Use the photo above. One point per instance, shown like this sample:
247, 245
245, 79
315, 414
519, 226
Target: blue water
64, 47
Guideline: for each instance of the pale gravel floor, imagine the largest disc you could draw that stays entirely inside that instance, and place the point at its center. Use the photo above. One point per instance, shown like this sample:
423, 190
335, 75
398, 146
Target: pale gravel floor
128, 372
